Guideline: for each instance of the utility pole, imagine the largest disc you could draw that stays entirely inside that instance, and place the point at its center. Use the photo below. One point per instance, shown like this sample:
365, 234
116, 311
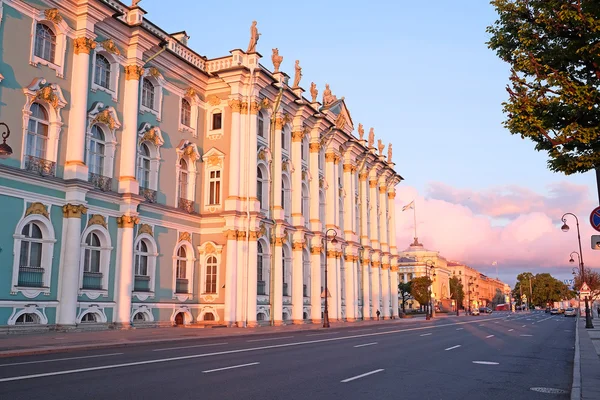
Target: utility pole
530, 292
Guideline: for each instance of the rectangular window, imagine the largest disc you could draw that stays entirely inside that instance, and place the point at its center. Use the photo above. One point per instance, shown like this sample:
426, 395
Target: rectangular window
216, 121
211, 278
261, 127
214, 196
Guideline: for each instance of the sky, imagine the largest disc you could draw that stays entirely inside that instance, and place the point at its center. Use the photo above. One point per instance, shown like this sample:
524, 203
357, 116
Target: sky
421, 75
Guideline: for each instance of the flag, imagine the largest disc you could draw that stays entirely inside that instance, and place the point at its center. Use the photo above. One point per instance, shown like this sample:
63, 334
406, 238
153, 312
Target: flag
409, 206
495, 263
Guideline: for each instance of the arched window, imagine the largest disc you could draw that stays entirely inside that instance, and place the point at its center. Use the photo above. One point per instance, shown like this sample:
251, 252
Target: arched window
31, 273
92, 276
211, 275
259, 187
37, 132
141, 271
183, 179
97, 151
260, 279
27, 319
144, 166
89, 318
209, 316
147, 94
186, 113
102, 71
181, 281
139, 317
45, 42
260, 128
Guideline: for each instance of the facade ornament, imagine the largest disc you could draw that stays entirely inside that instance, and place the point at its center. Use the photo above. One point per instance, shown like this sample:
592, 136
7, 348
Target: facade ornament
298, 245
277, 59
135, 3
297, 75
328, 98
389, 153
265, 103
190, 92
371, 137
254, 36
73, 210
110, 46
380, 146
235, 105
244, 108
153, 136
83, 45
184, 237
373, 183
133, 72
394, 268
363, 176
392, 195
210, 248
97, 219
347, 167
340, 122
315, 250
127, 221
262, 229
53, 15
254, 107
297, 136
382, 189
261, 155
361, 131
38, 209
214, 161
314, 92
154, 72
314, 147
329, 157
47, 94
145, 228
105, 117
213, 100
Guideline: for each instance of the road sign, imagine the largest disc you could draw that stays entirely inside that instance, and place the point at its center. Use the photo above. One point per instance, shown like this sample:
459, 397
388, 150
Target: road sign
568, 282
595, 242
595, 219
323, 293
584, 291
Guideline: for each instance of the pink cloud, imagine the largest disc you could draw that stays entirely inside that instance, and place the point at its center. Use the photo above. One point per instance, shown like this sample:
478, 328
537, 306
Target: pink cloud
516, 227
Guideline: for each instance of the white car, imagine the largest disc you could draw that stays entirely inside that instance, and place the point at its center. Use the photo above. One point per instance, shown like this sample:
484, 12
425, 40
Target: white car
570, 312
475, 311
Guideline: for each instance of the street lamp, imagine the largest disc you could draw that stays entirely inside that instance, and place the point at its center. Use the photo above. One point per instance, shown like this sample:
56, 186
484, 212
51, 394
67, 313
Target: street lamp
565, 228
469, 285
333, 241
429, 268
5, 150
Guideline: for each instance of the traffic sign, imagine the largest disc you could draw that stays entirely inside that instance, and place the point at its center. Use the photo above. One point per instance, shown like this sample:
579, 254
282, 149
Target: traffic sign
595, 219
584, 287
595, 242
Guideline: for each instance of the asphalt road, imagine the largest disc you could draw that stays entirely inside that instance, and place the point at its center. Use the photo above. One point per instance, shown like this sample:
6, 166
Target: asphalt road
496, 356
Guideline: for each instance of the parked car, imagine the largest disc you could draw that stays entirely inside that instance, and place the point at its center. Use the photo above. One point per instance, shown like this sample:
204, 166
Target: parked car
547, 310
554, 311
570, 312
474, 311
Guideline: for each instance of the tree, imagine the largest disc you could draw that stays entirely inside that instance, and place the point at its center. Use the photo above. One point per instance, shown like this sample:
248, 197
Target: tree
404, 292
456, 291
545, 289
592, 278
420, 289
522, 287
554, 90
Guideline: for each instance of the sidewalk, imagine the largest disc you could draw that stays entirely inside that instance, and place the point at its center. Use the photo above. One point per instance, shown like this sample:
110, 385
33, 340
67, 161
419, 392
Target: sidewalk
53, 342
586, 369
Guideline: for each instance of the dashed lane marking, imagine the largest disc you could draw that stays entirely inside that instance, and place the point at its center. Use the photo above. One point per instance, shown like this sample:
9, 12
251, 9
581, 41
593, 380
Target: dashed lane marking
453, 347
232, 367
361, 376
489, 336
366, 344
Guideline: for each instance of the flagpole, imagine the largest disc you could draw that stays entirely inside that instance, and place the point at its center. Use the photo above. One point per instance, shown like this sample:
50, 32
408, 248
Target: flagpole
415, 217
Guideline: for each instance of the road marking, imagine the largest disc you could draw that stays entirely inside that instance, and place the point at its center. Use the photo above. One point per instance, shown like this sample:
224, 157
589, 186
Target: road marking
263, 340
60, 359
489, 336
453, 347
190, 347
523, 326
324, 333
496, 322
383, 327
223, 352
232, 367
481, 325
485, 362
510, 330
527, 335
365, 344
361, 376
427, 334
459, 329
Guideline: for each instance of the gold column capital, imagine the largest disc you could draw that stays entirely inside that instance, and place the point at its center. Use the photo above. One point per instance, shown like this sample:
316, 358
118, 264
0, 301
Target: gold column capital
127, 221
83, 45
314, 147
73, 210
133, 72
316, 250
297, 136
363, 176
382, 189
373, 183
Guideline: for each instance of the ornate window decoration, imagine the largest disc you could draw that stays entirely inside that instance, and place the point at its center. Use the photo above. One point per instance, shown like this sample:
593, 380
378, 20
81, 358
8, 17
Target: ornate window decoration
94, 260
91, 315
105, 68
188, 112
142, 314
28, 315
214, 162
150, 141
286, 196
42, 124
151, 92
102, 125
187, 156
262, 187
33, 252
183, 268
214, 122
210, 264
145, 254
305, 205
49, 40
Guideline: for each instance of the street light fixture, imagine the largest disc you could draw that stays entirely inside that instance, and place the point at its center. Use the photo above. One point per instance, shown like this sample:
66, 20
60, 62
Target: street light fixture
326, 311
5, 150
565, 228
429, 268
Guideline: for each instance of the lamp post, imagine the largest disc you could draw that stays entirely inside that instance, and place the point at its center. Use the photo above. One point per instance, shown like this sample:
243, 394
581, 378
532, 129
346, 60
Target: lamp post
326, 311
429, 268
565, 228
5, 150
469, 284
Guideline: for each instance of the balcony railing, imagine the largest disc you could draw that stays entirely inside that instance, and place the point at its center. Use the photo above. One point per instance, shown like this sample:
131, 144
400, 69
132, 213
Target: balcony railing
141, 283
186, 205
31, 277
40, 166
101, 182
181, 286
148, 194
260, 287
92, 280
285, 289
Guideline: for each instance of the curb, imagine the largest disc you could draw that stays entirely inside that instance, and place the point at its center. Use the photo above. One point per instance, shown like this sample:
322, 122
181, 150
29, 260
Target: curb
576, 388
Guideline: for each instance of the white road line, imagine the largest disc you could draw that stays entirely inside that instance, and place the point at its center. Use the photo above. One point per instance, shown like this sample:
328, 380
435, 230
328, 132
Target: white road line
427, 334
232, 367
449, 348
542, 320
190, 347
496, 322
459, 329
486, 362
324, 333
361, 376
365, 344
223, 352
489, 336
60, 359
523, 326
527, 335
264, 340
510, 330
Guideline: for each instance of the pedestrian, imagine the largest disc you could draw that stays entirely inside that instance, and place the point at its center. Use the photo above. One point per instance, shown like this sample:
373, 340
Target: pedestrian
378, 314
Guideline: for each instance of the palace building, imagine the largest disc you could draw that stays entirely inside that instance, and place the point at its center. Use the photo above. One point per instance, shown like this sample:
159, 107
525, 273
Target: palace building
149, 185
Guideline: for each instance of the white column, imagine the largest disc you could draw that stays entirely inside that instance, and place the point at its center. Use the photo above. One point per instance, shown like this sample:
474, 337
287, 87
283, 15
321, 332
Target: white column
383, 223
373, 213
297, 283
253, 158
75, 167
277, 281
124, 273
69, 269
394, 288
234, 154
252, 279
385, 286
375, 274
277, 169
332, 190
392, 221
129, 138
350, 282
366, 276
332, 301
315, 282
242, 292
315, 222
364, 211
297, 217
231, 278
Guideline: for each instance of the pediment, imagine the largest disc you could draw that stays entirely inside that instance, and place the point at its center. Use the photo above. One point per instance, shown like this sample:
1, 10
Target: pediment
339, 114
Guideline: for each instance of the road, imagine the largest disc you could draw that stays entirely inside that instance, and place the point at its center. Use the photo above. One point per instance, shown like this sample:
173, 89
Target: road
497, 356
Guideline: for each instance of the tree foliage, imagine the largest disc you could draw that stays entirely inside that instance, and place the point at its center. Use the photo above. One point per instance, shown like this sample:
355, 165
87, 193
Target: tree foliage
420, 289
457, 292
553, 47
498, 297
404, 292
545, 289
592, 278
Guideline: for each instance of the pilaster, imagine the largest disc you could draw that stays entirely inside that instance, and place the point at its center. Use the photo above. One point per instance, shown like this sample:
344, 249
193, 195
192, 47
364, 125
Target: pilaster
124, 273
315, 221
277, 289
315, 281
373, 213
375, 288
366, 276
297, 217
231, 203
332, 286
331, 192
231, 288
252, 278
297, 283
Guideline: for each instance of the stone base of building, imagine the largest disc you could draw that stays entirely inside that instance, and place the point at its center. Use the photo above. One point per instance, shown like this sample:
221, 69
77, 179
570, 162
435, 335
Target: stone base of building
120, 326
278, 323
350, 319
316, 321
298, 321
252, 324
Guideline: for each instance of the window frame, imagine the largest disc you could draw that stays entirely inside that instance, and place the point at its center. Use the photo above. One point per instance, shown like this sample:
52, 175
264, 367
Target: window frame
205, 252
114, 61
214, 161
105, 249
152, 137
189, 271
194, 102
159, 83
105, 118
61, 31
188, 152
152, 255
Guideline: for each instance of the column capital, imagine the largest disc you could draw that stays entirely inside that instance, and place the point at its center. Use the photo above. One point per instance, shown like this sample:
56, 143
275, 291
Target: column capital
373, 183
297, 136
382, 189
235, 105
363, 176
392, 195
330, 157
133, 72
316, 250
336, 159
375, 264
348, 167
394, 268
385, 266
127, 221
254, 107
83, 45
73, 210
314, 147
298, 246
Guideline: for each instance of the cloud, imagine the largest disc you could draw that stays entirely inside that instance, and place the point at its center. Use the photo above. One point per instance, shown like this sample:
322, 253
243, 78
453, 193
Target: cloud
516, 227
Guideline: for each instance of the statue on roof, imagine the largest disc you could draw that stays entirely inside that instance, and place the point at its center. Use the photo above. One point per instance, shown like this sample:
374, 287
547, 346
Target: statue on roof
371, 137
277, 59
380, 146
298, 74
361, 131
135, 3
254, 35
389, 153
328, 98
313, 92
